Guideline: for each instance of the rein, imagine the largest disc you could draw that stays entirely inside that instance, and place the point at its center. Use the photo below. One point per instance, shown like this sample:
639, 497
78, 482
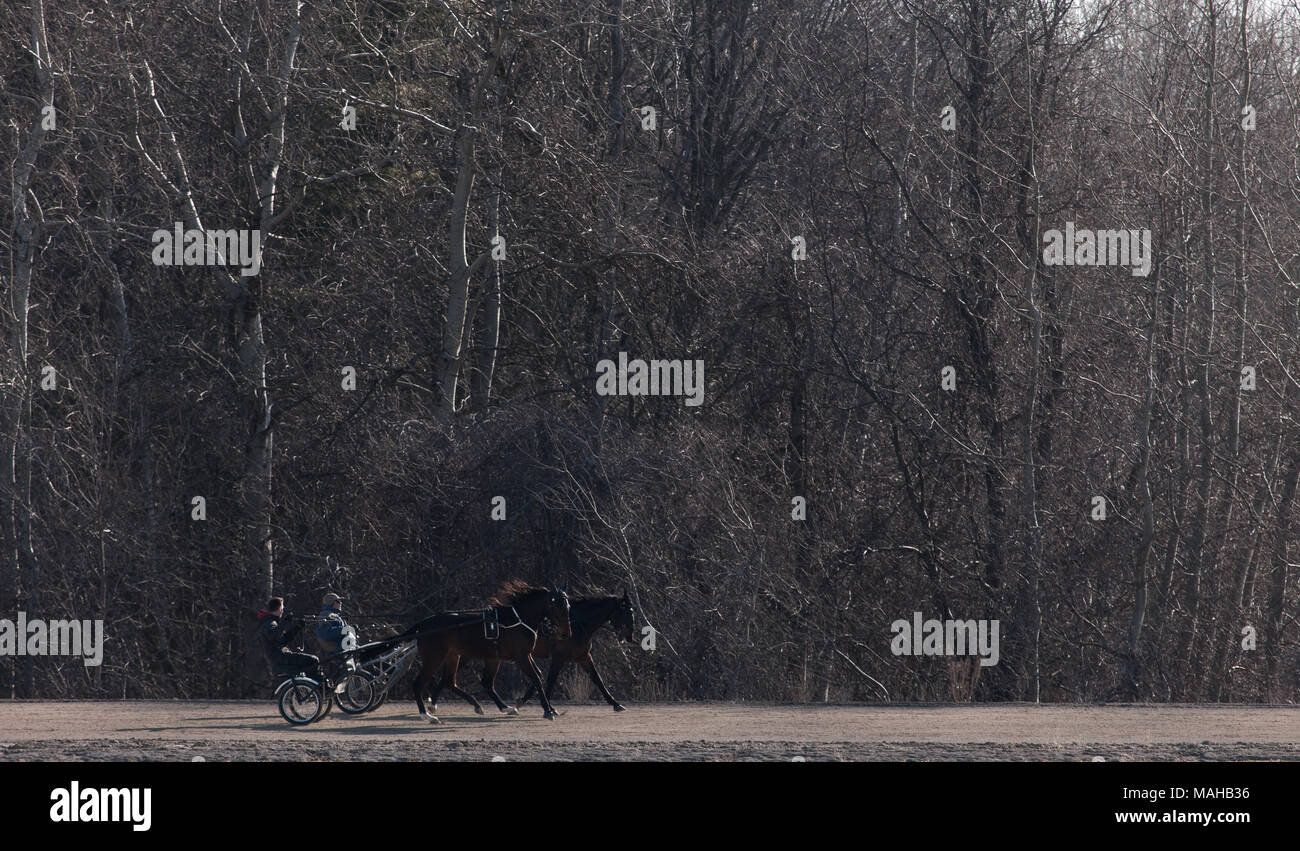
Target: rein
489, 617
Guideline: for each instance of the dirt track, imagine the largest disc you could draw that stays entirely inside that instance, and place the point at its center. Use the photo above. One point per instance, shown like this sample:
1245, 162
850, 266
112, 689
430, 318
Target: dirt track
253, 730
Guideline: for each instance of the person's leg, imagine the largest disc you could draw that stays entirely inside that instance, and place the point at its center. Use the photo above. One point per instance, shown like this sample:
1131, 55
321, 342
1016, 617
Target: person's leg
298, 663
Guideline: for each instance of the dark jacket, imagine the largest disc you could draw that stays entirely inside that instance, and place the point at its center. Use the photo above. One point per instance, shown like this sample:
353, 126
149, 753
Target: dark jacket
275, 633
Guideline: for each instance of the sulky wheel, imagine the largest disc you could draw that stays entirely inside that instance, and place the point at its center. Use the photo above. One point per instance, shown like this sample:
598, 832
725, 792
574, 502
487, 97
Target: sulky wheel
378, 701
355, 692
326, 705
301, 702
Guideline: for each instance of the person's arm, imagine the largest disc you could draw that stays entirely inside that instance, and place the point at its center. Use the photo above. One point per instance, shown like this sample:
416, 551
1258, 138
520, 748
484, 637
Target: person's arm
331, 629
281, 631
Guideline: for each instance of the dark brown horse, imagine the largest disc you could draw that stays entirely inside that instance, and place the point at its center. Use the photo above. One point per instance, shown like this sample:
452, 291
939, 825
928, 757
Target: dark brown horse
521, 610
587, 616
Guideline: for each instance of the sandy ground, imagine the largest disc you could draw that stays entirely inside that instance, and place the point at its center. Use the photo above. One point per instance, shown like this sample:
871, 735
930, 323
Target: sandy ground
253, 730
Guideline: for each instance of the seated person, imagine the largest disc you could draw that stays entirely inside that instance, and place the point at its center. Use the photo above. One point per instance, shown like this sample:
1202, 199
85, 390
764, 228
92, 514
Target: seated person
276, 632
331, 627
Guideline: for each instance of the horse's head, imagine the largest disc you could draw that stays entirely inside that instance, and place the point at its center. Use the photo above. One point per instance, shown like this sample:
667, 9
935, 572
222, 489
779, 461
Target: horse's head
624, 620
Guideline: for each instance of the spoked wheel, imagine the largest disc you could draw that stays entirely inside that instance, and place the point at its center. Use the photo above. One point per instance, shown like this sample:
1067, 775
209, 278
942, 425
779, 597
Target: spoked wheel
300, 703
378, 701
355, 692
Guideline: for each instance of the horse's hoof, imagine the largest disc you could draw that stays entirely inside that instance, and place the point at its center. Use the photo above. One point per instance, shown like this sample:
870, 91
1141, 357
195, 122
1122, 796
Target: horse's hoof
478, 710
618, 707
550, 716
433, 719
510, 710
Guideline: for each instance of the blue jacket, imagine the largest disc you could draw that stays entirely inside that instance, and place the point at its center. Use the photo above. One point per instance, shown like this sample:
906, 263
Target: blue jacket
329, 631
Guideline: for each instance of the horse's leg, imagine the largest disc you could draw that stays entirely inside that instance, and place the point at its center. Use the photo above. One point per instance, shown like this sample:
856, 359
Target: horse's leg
490, 668
449, 680
558, 661
528, 695
542, 649
531, 667
586, 662
558, 664
449, 666
417, 688
427, 670
437, 689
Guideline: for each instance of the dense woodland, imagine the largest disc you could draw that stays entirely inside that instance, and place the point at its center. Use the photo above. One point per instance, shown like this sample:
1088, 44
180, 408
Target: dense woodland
828, 203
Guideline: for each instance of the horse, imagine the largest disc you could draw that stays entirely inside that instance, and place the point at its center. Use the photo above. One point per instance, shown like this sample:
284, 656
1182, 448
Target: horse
521, 610
587, 616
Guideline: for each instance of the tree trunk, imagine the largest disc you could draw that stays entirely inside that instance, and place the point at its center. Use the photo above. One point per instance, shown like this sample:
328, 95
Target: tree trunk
460, 271
22, 579
1199, 566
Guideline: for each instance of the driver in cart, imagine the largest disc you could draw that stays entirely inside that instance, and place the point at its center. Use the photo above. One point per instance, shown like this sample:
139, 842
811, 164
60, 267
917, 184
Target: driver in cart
331, 628
276, 632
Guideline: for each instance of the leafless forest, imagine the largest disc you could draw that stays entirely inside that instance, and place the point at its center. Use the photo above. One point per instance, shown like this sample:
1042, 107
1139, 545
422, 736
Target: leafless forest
839, 207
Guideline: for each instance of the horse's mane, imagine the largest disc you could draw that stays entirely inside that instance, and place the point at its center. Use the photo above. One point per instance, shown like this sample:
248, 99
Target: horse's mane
594, 599
511, 591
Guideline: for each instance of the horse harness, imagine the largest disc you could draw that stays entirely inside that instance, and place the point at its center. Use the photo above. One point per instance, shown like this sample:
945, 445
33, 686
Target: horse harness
491, 618
492, 624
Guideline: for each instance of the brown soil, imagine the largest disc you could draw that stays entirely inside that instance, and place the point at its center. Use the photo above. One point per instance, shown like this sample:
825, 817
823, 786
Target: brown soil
253, 730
